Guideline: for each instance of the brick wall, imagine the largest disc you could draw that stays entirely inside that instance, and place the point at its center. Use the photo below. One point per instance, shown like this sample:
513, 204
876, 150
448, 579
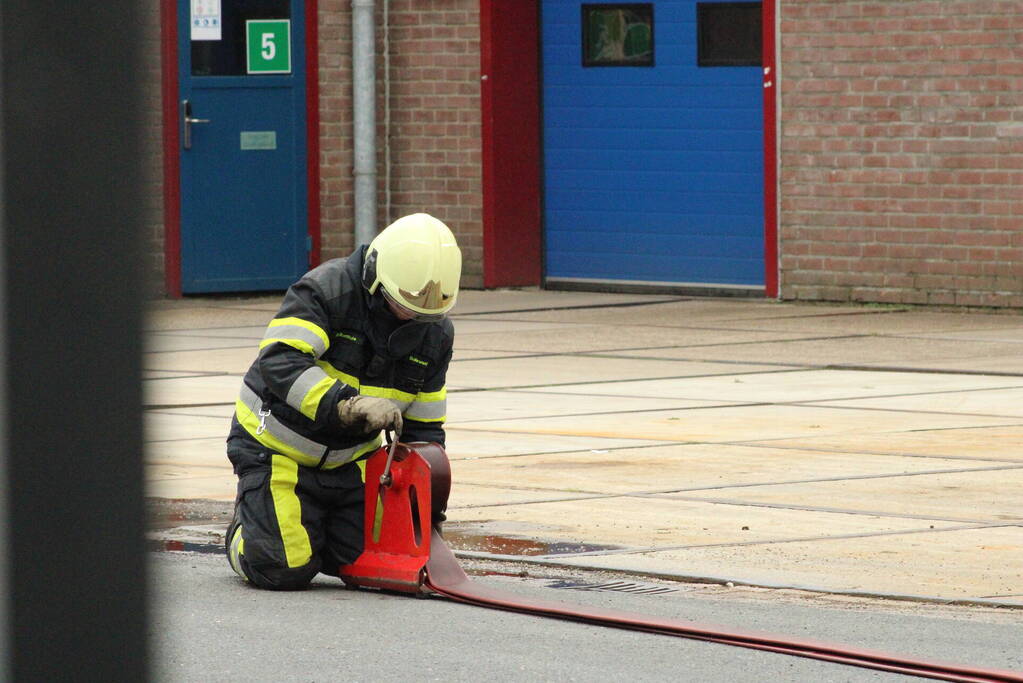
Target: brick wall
902, 151
433, 163
435, 126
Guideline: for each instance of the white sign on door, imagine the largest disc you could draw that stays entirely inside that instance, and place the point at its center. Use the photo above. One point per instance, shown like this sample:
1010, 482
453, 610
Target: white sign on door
205, 19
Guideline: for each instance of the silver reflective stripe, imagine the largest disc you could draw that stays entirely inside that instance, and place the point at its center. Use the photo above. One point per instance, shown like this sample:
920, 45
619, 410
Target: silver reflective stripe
343, 455
277, 430
305, 446
401, 405
427, 410
296, 332
301, 386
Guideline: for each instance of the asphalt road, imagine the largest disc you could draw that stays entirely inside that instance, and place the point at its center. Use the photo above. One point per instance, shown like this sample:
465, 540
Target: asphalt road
206, 625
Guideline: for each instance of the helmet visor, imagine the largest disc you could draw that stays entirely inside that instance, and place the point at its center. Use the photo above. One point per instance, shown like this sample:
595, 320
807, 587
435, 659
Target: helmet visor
406, 313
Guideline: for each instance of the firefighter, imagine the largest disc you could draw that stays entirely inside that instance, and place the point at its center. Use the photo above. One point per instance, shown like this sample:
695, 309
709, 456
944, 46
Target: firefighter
359, 345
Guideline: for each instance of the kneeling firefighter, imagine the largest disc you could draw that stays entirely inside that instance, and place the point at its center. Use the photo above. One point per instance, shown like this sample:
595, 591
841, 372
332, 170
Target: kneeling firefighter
359, 345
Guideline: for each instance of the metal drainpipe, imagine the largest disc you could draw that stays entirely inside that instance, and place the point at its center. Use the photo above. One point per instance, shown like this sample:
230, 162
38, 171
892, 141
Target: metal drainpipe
364, 115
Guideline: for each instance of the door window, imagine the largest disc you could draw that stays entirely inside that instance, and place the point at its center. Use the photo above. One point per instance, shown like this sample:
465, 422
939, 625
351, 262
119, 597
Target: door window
227, 56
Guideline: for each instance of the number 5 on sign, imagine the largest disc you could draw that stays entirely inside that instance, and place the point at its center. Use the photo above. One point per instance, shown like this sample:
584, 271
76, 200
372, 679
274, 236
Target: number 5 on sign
268, 46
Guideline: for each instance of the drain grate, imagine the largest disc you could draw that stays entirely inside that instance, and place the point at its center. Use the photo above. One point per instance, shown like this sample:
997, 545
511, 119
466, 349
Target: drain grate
614, 586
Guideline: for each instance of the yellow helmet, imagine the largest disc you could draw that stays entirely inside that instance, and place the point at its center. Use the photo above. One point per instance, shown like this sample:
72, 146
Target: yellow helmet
417, 264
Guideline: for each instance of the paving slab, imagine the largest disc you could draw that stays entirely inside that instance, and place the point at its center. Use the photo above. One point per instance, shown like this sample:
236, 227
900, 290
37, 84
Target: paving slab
558, 369
198, 452
167, 426
468, 445
222, 411
853, 351
244, 333
186, 315
158, 344
165, 481
235, 360
641, 523
1012, 334
504, 300
633, 398
738, 423
772, 384
684, 312
712, 471
165, 374
1000, 443
892, 323
569, 337
469, 327
475, 495
192, 390
469, 354
957, 494
1007, 401
500, 405
953, 565
995, 365
269, 304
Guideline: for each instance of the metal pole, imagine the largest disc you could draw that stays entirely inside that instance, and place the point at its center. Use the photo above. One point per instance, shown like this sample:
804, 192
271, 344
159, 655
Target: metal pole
6, 661
364, 115
72, 93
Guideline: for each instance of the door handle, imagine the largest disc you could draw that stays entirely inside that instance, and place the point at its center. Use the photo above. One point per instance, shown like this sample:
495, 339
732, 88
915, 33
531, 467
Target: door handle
186, 124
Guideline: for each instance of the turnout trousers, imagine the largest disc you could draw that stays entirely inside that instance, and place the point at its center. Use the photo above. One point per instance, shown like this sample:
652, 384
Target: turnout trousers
290, 521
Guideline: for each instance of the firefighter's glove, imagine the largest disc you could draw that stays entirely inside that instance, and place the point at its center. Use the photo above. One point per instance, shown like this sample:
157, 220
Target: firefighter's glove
369, 414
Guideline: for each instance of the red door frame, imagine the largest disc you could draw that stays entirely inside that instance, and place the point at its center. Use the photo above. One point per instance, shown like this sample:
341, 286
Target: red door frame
172, 140
512, 132
770, 149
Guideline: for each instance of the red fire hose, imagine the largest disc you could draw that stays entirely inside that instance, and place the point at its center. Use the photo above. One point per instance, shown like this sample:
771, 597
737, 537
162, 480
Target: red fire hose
400, 556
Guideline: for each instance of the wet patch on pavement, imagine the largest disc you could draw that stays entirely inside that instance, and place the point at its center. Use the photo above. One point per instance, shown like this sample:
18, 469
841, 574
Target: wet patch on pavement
167, 513
492, 539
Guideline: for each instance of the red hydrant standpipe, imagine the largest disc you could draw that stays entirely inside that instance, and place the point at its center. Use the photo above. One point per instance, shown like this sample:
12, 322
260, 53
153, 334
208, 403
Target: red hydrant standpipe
426, 467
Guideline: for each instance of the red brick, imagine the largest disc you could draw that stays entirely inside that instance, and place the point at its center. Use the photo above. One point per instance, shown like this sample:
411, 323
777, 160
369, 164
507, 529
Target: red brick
932, 95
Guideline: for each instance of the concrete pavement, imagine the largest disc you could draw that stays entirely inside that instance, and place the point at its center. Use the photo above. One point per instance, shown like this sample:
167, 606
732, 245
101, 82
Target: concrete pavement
848, 449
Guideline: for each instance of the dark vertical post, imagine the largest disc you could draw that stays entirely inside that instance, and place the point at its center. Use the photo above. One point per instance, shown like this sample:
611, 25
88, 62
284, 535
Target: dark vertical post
72, 456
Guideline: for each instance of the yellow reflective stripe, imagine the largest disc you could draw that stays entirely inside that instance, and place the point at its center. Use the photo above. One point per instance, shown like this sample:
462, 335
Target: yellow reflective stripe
250, 421
331, 371
298, 322
301, 334
429, 406
378, 516
384, 392
304, 347
365, 389
283, 478
237, 548
312, 399
362, 469
430, 396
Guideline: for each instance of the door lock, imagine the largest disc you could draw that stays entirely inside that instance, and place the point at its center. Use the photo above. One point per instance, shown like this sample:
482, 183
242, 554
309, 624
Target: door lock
186, 123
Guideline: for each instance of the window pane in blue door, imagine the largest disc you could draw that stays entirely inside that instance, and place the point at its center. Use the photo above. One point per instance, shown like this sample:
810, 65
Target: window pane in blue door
226, 57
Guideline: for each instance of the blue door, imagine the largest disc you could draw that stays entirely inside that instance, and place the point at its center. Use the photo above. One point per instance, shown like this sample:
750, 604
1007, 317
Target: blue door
241, 103
653, 164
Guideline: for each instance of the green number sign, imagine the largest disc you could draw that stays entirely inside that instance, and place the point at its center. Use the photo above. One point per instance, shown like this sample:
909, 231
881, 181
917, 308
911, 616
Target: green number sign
268, 46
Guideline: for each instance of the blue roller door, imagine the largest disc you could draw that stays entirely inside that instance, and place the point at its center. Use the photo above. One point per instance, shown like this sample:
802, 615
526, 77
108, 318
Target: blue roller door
652, 174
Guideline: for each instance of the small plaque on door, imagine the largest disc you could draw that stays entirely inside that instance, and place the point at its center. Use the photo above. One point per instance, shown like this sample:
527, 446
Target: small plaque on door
259, 139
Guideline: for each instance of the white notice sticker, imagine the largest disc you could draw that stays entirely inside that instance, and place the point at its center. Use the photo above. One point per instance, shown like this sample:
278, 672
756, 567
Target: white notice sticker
205, 19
